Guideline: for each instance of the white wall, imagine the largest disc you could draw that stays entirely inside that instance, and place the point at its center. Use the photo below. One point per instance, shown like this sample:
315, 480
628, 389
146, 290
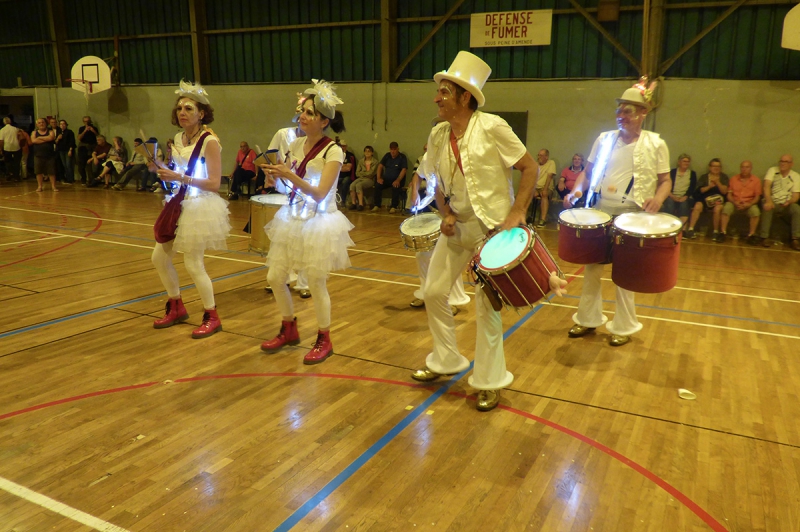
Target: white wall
733, 120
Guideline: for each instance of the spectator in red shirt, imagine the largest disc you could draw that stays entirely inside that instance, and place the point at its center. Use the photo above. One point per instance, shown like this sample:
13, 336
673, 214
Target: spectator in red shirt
569, 175
744, 192
245, 169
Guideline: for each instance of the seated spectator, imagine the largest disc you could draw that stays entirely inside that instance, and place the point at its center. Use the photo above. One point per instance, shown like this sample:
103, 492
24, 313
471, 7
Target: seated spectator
709, 195
568, 176
135, 168
95, 162
391, 173
347, 175
684, 181
114, 162
547, 169
743, 195
245, 170
365, 178
781, 192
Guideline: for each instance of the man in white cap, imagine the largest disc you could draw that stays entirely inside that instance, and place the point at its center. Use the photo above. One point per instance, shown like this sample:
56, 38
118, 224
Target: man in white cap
471, 153
627, 171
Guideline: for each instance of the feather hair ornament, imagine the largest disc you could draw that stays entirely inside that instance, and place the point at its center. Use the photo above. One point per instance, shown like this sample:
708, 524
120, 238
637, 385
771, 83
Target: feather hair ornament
326, 99
193, 91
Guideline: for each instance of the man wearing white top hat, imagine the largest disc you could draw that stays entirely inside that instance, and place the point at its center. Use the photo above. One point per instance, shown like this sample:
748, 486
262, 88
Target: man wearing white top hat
627, 171
471, 153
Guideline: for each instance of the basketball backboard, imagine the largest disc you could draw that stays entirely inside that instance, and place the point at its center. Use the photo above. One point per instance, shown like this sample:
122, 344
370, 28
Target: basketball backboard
90, 74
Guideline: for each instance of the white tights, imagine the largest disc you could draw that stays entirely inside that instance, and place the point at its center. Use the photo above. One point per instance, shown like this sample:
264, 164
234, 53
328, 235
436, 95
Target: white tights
317, 285
162, 260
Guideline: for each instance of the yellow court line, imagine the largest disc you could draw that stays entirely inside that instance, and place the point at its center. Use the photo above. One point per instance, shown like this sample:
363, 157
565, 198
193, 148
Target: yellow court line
734, 294
89, 217
54, 236
683, 322
58, 507
244, 261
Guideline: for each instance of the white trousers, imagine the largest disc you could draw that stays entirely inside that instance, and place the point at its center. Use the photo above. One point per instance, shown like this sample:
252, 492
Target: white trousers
162, 257
450, 257
458, 297
278, 278
590, 307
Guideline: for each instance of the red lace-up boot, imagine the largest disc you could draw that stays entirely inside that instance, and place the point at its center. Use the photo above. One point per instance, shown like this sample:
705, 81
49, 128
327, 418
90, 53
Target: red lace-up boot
289, 335
210, 325
175, 313
323, 348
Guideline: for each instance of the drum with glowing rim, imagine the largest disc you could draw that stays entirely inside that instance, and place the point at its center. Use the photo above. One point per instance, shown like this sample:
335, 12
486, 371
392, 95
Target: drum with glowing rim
646, 250
517, 265
421, 232
584, 236
262, 209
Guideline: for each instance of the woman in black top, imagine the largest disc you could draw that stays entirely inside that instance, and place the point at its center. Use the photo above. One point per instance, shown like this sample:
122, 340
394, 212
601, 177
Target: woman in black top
65, 148
43, 140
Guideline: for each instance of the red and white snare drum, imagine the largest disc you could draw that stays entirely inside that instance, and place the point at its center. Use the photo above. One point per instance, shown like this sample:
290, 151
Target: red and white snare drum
517, 265
584, 236
646, 250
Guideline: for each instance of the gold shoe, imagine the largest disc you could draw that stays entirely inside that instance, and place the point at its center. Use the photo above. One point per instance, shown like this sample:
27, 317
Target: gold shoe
618, 340
487, 400
456, 310
417, 303
305, 294
425, 375
579, 330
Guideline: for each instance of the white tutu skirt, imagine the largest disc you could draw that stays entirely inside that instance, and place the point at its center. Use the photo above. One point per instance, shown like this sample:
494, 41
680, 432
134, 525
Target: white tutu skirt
318, 245
203, 223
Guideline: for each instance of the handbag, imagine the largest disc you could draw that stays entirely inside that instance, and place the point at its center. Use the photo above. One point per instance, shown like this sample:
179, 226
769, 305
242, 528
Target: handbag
714, 199
167, 221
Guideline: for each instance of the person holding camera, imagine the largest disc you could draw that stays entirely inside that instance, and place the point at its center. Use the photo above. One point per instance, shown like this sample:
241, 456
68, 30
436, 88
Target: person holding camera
87, 142
709, 196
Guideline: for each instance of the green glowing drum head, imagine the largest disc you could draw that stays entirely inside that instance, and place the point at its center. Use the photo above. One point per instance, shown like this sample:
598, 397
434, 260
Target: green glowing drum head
504, 248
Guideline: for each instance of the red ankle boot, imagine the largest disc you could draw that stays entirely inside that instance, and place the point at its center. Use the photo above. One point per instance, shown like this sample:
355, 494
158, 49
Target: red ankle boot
323, 348
210, 325
175, 313
289, 335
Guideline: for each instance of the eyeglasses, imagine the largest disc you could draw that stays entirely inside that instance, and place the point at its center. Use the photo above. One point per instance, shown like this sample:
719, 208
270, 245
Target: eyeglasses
787, 162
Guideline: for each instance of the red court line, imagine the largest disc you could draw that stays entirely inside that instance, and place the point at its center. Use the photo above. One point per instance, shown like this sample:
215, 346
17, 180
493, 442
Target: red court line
695, 508
96, 227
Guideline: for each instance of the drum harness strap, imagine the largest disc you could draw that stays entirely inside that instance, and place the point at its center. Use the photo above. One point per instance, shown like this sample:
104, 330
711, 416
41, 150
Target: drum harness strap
301, 170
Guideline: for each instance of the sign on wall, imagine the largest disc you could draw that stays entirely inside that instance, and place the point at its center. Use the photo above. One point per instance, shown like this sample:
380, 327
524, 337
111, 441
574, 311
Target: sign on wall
511, 28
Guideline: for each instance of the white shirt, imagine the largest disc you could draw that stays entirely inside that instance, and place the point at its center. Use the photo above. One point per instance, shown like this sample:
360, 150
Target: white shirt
682, 182
782, 187
548, 168
645, 159
281, 142
9, 137
488, 150
181, 155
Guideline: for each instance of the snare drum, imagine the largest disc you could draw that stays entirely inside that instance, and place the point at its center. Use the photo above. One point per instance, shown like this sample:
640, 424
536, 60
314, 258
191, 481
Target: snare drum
421, 232
584, 236
646, 250
262, 209
517, 265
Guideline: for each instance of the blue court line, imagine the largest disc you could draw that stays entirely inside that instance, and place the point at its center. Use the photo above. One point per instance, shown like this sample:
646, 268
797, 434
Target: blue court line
709, 314
115, 305
376, 447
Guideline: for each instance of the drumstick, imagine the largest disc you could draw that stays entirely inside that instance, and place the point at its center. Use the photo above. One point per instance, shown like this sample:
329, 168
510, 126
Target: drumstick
258, 150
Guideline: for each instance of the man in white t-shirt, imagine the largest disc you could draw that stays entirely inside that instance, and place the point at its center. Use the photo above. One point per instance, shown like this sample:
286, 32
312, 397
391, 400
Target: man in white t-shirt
628, 170
10, 148
781, 192
547, 169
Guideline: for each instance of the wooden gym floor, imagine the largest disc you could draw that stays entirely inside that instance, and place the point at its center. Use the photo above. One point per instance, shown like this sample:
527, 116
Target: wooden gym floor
108, 424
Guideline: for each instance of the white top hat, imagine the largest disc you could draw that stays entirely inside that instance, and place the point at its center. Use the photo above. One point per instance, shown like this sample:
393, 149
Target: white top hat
468, 71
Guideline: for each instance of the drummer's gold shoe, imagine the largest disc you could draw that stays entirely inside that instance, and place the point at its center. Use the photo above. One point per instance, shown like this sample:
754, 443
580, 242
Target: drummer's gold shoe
618, 340
417, 303
579, 330
487, 400
425, 375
